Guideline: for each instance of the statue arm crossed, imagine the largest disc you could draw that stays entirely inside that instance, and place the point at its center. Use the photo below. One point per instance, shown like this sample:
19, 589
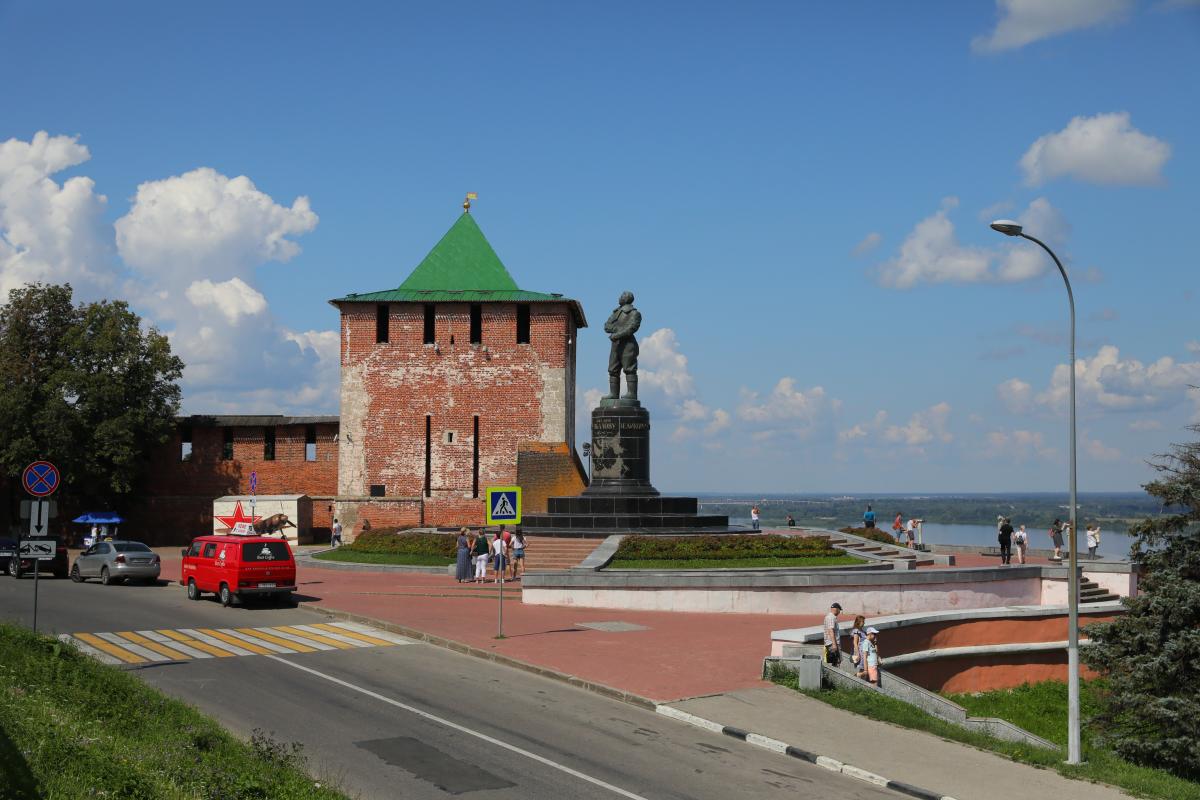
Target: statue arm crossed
621, 326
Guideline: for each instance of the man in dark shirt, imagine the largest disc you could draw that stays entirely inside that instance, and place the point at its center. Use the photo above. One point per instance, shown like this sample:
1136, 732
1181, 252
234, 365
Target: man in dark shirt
1005, 537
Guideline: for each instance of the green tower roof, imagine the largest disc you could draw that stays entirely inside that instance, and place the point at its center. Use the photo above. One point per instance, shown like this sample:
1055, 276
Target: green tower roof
461, 268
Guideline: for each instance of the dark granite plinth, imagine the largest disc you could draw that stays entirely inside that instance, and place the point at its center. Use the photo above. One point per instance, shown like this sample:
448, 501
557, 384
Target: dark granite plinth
620, 498
621, 450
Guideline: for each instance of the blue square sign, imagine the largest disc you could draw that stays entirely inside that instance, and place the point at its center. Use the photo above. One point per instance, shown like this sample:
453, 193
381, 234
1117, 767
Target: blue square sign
504, 505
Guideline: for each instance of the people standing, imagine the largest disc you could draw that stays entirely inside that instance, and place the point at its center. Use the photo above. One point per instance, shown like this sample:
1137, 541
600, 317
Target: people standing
869, 518
518, 554
1021, 540
335, 537
481, 550
858, 634
910, 532
897, 526
462, 557
500, 553
1093, 540
1005, 537
754, 517
791, 521
1056, 538
870, 668
833, 636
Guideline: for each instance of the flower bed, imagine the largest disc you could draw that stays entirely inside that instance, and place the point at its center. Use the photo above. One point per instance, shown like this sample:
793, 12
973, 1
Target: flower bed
721, 548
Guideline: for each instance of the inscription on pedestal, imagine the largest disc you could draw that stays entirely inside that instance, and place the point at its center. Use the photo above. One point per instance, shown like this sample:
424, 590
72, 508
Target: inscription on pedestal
621, 451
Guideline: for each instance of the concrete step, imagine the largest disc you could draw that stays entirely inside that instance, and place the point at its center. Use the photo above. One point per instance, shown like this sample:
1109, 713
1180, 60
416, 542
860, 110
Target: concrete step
1099, 598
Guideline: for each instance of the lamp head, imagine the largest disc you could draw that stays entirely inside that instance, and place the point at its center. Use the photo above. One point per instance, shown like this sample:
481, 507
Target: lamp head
1007, 227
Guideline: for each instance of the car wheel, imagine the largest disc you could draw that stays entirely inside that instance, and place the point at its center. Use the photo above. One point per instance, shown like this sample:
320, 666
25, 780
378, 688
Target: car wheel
226, 595
193, 590
75, 576
105, 578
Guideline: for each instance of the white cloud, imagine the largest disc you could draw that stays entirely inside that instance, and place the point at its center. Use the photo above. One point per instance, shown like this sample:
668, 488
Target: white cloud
1104, 149
1110, 382
923, 427
932, 253
1107, 314
1024, 21
662, 366
1142, 425
232, 298
869, 243
1016, 395
1017, 445
205, 224
50, 232
1098, 450
1193, 347
719, 422
785, 403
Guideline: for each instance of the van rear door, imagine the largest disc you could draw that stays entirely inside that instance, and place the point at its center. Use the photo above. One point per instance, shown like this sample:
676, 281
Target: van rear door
266, 565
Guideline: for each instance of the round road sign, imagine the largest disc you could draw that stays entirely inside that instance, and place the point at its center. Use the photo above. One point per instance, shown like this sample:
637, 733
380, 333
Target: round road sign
40, 478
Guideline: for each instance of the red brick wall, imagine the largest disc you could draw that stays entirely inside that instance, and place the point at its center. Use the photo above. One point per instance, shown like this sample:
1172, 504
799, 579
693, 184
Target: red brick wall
179, 494
403, 380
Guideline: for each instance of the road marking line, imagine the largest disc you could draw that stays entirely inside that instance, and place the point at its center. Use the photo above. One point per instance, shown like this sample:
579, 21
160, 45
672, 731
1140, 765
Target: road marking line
314, 636
145, 653
266, 634
462, 729
362, 637
394, 638
291, 637
87, 649
254, 641
236, 642
183, 648
111, 649
337, 636
196, 643
232, 649
137, 638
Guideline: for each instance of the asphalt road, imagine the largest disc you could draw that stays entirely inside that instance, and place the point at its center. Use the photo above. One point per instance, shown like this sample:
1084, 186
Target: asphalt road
417, 721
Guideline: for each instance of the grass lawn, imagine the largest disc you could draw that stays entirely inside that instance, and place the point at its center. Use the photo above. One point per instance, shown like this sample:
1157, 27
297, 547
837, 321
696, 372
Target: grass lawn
732, 563
72, 727
348, 554
1040, 709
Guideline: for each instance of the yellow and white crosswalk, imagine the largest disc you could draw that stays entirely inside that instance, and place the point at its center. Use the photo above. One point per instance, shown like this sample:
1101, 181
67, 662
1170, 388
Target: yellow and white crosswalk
185, 644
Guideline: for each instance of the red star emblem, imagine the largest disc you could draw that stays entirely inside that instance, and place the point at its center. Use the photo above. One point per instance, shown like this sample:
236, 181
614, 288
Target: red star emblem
238, 516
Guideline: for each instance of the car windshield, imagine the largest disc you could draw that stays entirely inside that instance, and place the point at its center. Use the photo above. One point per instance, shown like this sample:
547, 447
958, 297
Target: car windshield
131, 547
265, 551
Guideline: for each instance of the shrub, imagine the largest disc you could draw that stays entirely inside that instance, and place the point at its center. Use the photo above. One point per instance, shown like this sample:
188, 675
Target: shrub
665, 548
392, 540
874, 534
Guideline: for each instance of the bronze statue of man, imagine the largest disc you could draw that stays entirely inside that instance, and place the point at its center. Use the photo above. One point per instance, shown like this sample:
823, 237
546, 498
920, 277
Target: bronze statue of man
622, 324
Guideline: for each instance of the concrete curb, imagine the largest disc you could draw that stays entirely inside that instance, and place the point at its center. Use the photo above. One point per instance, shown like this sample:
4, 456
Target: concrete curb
466, 649
776, 746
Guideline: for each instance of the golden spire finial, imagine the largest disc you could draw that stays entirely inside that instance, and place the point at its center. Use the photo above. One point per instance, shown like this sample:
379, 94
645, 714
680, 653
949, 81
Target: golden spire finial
467, 203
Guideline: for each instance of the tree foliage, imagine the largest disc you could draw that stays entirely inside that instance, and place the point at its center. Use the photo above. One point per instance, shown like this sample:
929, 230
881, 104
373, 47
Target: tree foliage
84, 386
1151, 655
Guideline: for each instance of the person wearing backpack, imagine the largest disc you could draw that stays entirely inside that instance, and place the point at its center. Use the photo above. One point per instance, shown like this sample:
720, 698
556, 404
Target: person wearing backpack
1021, 542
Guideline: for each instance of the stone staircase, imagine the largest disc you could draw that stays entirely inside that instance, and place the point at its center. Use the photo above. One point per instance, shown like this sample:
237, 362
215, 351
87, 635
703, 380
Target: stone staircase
548, 552
1091, 592
878, 549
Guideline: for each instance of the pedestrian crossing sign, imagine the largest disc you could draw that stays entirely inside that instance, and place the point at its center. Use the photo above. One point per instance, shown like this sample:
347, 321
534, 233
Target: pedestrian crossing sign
504, 505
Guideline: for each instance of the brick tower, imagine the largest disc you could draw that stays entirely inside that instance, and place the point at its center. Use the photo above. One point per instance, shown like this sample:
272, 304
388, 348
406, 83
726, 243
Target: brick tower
455, 381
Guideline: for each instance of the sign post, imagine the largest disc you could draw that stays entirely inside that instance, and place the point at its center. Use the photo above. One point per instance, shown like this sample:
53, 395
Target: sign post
40, 479
503, 508
253, 489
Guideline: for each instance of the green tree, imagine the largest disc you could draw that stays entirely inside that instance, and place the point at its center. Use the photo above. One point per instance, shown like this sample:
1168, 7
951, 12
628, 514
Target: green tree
1150, 655
85, 386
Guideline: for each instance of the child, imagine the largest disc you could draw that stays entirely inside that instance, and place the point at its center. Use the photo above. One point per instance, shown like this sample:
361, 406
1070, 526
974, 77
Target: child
869, 669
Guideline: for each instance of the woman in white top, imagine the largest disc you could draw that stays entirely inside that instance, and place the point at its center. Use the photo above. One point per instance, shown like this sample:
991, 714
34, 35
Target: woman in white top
1093, 540
1021, 542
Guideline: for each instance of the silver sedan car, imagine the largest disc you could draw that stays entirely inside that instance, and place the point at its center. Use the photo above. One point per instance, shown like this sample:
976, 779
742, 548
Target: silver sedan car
117, 562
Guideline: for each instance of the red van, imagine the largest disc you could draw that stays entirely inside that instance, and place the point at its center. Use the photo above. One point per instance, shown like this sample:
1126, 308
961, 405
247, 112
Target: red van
237, 567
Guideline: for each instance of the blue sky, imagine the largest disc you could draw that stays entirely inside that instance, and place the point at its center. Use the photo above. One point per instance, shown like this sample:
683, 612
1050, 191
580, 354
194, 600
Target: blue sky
797, 193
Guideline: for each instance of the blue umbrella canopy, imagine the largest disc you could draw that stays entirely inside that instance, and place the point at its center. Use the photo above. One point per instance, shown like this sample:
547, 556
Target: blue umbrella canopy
99, 518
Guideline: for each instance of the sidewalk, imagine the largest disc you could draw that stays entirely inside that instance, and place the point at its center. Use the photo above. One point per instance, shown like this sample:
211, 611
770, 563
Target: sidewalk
902, 754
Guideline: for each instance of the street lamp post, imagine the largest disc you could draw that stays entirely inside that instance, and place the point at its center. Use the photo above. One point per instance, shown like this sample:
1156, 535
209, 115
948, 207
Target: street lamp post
1010, 228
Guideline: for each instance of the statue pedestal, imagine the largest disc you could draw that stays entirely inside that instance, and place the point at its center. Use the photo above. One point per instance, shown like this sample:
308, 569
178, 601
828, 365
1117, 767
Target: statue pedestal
620, 450
620, 498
